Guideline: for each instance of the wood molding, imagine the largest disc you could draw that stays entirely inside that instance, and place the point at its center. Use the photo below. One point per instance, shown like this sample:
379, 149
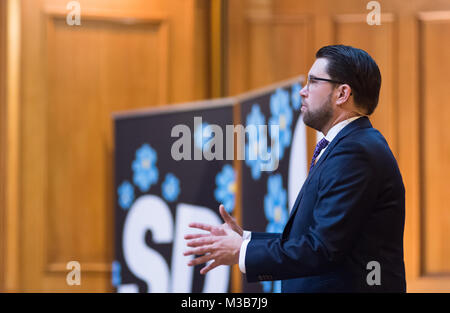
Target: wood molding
122, 17
420, 226
217, 49
277, 18
12, 214
437, 284
3, 147
362, 18
434, 16
236, 275
85, 267
426, 277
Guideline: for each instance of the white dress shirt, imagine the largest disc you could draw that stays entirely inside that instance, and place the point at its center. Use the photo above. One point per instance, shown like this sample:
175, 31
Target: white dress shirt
332, 133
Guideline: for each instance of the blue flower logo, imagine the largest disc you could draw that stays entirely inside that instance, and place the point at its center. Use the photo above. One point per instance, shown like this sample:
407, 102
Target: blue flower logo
267, 286
256, 146
116, 275
126, 195
203, 136
144, 168
281, 116
275, 207
277, 286
226, 187
295, 96
171, 187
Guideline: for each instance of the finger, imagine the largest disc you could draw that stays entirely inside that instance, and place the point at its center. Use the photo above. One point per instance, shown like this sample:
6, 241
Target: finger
200, 242
195, 236
226, 217
198, 251
200, 260
201, 226
209, 267
231, 221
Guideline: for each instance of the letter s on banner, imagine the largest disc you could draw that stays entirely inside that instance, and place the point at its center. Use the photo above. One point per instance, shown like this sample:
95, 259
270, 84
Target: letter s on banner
148, 213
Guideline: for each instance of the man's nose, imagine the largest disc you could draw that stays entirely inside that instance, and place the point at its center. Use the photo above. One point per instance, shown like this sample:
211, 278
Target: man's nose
304, 91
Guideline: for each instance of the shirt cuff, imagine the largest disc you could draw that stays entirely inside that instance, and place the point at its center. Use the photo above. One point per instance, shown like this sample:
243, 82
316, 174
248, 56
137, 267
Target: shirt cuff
247, 237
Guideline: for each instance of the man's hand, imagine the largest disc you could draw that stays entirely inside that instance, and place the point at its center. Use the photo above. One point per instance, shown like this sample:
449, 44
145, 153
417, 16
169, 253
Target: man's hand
222, 244
230, 223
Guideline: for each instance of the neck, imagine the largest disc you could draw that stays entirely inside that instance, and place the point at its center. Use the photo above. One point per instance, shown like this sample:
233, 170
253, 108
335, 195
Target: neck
337, 119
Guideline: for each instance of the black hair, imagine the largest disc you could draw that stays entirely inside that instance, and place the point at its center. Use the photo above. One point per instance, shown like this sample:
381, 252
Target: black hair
356, 68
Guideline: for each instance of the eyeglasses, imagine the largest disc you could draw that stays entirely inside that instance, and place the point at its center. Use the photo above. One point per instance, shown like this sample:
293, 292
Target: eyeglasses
313, 78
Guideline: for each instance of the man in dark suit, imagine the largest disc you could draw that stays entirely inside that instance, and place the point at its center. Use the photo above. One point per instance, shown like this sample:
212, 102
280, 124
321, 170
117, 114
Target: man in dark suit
345, 230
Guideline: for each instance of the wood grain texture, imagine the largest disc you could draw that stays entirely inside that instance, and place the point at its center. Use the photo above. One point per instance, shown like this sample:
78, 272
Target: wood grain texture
409, 47
380, 43
13, 150
3, 147
435, 144
123, 56
63, 82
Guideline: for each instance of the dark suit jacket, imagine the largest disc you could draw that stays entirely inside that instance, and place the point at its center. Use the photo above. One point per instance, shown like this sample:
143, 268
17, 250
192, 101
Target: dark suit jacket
349, 212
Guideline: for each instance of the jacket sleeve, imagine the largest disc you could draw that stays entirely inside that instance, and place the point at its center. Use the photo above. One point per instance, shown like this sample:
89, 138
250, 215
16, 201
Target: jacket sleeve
258, 235
347, 190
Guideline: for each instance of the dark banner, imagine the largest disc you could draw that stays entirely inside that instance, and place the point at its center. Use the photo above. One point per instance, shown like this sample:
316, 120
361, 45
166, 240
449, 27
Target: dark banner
171, 169
275, 164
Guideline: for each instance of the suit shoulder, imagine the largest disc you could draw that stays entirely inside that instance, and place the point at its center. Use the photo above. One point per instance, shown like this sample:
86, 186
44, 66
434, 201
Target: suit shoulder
366, 139
372, 144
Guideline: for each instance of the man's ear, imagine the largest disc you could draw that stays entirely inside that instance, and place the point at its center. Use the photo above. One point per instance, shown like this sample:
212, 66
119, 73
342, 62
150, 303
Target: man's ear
344, 92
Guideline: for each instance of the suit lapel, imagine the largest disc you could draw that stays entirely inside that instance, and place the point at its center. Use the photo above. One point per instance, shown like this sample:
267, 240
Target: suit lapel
362, 122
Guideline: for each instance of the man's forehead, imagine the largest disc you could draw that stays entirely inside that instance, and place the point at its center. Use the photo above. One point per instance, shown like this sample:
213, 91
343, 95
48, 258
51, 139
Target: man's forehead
319, 68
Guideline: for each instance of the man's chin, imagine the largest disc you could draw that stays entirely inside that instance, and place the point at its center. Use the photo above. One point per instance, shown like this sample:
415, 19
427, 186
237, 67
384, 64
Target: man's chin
307, 122
310, 123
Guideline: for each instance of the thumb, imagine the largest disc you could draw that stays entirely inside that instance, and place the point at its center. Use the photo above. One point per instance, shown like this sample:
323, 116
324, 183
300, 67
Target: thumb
231, 222
226, 217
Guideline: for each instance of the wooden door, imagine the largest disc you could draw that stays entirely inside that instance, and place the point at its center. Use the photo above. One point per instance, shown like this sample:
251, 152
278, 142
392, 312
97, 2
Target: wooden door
124, 55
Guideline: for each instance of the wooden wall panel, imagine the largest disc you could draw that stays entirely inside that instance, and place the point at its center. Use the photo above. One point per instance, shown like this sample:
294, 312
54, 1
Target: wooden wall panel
107, 67
267, 38
266, 44
257, 37
380, 43
435, 140
409, 46
124, 55
65, 81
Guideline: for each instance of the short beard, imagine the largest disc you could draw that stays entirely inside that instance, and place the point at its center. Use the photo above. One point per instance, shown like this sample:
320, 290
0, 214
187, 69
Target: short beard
318, 119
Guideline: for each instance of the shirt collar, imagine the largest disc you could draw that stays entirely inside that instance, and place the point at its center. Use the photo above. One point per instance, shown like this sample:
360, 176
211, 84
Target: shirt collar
338, 127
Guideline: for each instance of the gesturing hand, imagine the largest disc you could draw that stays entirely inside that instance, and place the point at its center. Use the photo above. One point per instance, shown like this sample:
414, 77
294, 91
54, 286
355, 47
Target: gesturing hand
222, 244
230, 223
